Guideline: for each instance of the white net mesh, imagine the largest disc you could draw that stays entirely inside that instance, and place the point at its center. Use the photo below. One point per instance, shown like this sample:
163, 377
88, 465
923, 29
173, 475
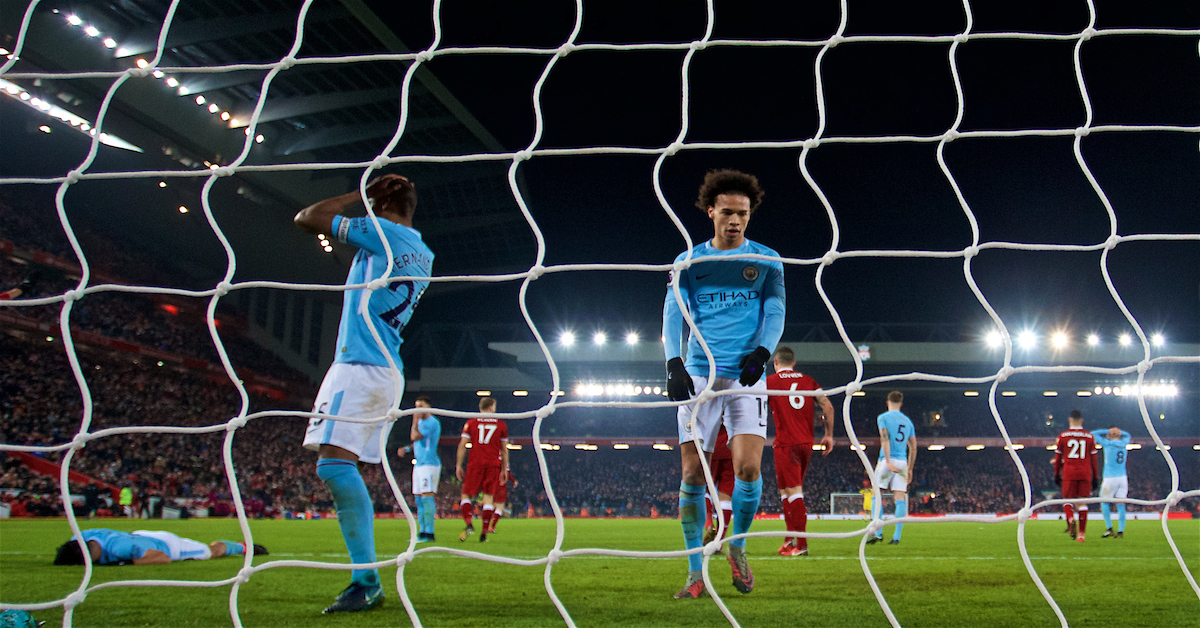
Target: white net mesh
552, 57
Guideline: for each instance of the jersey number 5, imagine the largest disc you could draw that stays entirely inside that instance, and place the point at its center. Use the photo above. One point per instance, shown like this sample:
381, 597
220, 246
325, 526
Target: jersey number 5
485, 433
797, 401
900, 434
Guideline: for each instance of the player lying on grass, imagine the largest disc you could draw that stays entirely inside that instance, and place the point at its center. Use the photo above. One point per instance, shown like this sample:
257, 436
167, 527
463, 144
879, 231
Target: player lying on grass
144, 547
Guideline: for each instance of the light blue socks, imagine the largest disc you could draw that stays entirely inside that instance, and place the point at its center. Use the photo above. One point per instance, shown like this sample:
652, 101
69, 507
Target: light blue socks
233, 548
691, 518
1120, 517
427, 508
901, 510
356, 516
746, 496
1106, 510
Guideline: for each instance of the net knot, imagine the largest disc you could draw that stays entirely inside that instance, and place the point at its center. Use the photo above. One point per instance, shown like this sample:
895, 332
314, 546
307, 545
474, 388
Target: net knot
138, 72
379, 163
1144, 366
705, 396
236, 422
74, 176
223, 288
675, 147
404, 558
1005, 373
1024, 514
394, 414
712, 548
1087, 33
243, 576
835, 40
853, 387
1082, 131
287, 62
74, 599
565, 49
376, 284
680, 266
971, 251
829, 258
811, 143
874, 527
1112, 242
223, 171
544, 412
523, 155
950, 136
424, 56
961, 38
698, 45
80, 441
1174, 498
72, 295
536, 271
554, 556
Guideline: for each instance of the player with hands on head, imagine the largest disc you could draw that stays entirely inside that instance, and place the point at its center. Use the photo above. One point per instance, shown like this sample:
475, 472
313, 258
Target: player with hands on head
738, 308
425, 432
1115, 442
897, 456
360, 383
1076, 470
793, 446
486, 469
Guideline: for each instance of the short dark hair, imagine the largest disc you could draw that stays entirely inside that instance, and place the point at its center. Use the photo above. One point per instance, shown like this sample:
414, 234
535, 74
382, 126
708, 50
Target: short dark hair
405, 199
485, 403
69, 554
1113, 427
896, 396
427, 400
1076, 415
785, 355
726, 181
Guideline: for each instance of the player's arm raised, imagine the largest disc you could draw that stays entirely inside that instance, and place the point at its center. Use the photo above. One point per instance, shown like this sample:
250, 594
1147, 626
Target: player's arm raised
152, 557
827, 418
458, 461
318, 217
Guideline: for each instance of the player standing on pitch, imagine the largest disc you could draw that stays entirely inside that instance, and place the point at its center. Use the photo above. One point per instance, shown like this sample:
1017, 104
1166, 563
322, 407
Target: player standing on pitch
486, 469
360, 384
897, 455
738, 307
1115, 443
793, 445
1076, 470
721, 465
427, 467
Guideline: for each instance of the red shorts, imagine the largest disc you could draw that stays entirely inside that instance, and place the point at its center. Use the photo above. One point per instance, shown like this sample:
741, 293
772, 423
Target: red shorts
480, 480
722, 471
501, 494
791, 464
1076, 489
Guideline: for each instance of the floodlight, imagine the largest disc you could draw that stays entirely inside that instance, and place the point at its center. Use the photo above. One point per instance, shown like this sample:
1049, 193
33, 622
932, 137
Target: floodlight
1093, 340
1125, 340
1058, 340
993, 339
631, 338
566, 338
1027, 339
1158, 340
91, 31
599, 338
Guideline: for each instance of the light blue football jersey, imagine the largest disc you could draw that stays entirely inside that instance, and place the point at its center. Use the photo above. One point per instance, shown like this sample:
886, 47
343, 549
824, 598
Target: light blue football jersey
899, 429
1115, 452
116, 546
425, 450
391, 307
738, 305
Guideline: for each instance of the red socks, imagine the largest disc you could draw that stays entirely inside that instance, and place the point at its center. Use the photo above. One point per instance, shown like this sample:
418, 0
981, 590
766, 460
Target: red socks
495, 520
1083, 513
468, 509
486, 517
1069, 511
726, 516
795, 516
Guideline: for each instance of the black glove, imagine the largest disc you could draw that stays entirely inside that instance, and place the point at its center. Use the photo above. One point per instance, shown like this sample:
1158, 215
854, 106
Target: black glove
1095, 483
679, 383
1058, 480
753, 366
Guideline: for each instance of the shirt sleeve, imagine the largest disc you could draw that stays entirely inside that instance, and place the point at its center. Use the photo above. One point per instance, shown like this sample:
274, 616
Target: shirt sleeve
124, 549
359, 232
673, 319
1125, 438
774, 308
466, 432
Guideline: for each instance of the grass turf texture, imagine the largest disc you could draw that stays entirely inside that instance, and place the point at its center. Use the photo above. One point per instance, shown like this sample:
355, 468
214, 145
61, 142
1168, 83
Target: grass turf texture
943, 574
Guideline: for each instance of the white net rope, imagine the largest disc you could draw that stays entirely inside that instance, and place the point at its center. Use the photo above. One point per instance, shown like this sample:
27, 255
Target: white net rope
537, 270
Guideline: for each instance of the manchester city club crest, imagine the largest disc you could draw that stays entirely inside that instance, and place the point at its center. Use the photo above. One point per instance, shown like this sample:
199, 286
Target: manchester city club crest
750, 273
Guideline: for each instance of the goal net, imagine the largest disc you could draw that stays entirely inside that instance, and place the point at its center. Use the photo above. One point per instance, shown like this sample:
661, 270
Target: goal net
857, 504
833, 267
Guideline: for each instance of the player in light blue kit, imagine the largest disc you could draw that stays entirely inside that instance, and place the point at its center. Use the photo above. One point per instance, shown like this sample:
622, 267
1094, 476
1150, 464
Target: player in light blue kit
897, 455
427, 470
738, 306
144, 547
360, 384
1116, 482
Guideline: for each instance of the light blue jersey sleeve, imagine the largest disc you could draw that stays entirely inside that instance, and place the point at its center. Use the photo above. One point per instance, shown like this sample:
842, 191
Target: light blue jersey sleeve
899, 428
1115, 452
425, 450
116, 547
774, 308
673, 324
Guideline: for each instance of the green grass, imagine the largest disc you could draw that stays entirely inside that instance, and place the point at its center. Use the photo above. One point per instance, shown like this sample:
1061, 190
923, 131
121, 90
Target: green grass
944, 574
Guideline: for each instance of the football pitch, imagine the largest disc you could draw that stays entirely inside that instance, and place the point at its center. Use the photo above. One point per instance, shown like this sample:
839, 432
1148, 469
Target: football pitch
942, 574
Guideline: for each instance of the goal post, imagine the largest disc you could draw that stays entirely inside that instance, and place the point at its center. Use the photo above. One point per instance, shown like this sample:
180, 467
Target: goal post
841, 504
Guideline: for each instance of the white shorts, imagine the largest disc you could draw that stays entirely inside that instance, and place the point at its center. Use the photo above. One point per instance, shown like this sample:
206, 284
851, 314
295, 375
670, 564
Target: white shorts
889, 481
1115, 487
425, 478
360, 391
741, 414
179, 548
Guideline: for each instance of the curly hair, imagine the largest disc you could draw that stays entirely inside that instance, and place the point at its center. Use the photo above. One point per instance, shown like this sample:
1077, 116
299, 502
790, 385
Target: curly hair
69, 553
726, 181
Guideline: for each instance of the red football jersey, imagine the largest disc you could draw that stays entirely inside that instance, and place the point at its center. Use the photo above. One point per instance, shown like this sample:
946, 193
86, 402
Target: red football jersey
486, 436
1075, 455
721, 451
793, 415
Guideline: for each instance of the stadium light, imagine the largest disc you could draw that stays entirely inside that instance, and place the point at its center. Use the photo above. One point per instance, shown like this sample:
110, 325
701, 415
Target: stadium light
213, 108
1009, 393
971, 393
1027, 339
183, 210
157, 74
620, 446
631, 338
599, 338
1093, 340
1133, 446
184, 91
142, 63
109, 42
258, 139
513, 446
587, 447
49, 338
1083, 393
1016, 446
860, 393
44, 129
74, 20
520, 393
936, 447
200, 99
1158, 340
1196, 447
1051, 447
566, 338
662, 447
1108, 390
1163, 448
483, 393
162, 184
993, 339
172, 82
658, 390
225, 115
1050, 393
1125, 340
974, 447
1059, 340
818, 447
91, 31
